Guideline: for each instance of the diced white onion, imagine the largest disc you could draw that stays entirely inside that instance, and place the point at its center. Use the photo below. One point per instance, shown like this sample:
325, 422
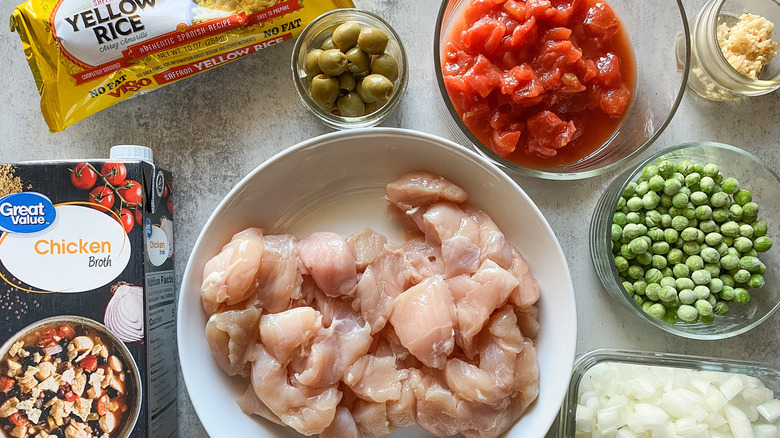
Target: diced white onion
635, 401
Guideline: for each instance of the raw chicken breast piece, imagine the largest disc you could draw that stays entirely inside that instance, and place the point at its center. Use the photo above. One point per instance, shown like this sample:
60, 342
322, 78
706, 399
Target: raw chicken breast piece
437, 407
307, 410
492, 242
528, 321
421, 260
279, 280
251, 405
329, 260
343, 426
423, 318
371, 418
381, 282
457, 233
403, 411
421, 188
288, 332
366, 247
527, 292
375, 378
231, 336
230, 277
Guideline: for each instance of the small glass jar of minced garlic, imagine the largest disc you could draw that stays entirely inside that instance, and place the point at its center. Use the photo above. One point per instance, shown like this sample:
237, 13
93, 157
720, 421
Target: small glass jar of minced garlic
733, 52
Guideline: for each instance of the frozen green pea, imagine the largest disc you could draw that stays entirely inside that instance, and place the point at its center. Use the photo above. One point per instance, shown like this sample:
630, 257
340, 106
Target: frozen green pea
708, 226
653, 291
638, 300
616, 233
749, 263
735, 212
761, 269
719, 199
697, 167
756, 281
722, 249
727, 280
703, 307
687, 313
707, 319
656, 183
625, 251
646, 306
689, 234
742, 197
668, 293
621, 264
741, 296
656, 311
713, 269
671, 187
751, 252
762, 244
703, 212
727, 293
632, 231
699, 277
720, 215
730, 186
742, 276
710, 255
667, 272
759, 229
674, 211
707, 185
686, 190
640, 286
685, 167
652, 218
655, 234
713, 299
621, 204
699, 198
750, 209
671, 235
649, 171
691, 248
619, 219
645, 258
635, 272
660, 248
642, 189
650, 200
680, 271
694, 263
666, 202
629, 191
628, 287
679, 223
715, 286
668, 282
692, 179
733, 251
729, 262
729, 229
701, 292
713, 239
671, 317
634, 204
687, 296
693, 222
700, 236
633, 218
653, 275
666, 168
711, 169
743, 244
666, 220
689, 212
674, 256
729, 240
683, 283
642, 228
721, 308
680, 200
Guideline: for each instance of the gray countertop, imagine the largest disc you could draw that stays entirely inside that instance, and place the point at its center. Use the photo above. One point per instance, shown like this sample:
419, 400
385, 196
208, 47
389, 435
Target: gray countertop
212, 129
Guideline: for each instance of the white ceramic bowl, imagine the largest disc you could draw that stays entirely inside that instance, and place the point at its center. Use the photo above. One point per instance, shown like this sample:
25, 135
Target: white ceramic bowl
337, 183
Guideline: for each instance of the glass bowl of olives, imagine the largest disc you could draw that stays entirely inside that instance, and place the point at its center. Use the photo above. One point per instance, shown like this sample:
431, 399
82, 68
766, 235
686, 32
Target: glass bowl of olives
349, 68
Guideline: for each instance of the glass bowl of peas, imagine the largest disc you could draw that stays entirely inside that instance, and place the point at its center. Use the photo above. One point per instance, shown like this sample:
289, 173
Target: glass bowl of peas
684, 240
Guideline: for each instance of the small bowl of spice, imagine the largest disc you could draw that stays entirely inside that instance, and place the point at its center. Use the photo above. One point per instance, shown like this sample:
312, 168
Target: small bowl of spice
349, 68
733, 52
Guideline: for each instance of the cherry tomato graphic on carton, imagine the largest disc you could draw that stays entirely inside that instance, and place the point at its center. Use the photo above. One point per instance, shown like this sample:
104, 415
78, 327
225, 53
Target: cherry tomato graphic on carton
170, 205
102, 198
127, 219
114, 173
83, 176
131, 192
138, 216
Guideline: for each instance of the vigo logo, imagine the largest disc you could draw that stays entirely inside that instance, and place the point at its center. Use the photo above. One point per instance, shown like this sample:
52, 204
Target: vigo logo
26, 212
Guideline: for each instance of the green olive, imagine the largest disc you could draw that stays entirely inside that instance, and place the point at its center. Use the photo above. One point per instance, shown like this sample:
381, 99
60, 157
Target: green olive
332, 62
373, 106
372, 40
346, 35
324, 90
375, 88
328, 44
310, 64
357, 60
386, 66
346, 83
351, 105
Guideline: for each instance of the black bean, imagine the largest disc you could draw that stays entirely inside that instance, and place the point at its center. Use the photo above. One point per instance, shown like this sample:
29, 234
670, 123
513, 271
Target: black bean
112, 393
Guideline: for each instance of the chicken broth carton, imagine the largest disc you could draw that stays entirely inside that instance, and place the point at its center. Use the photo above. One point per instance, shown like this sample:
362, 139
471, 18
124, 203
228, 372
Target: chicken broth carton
87, 298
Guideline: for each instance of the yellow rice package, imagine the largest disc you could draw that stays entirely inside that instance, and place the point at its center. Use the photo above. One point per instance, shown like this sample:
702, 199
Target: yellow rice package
87, 55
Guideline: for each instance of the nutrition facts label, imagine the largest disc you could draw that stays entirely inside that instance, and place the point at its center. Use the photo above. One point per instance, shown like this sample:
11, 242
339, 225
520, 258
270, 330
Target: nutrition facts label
161, 353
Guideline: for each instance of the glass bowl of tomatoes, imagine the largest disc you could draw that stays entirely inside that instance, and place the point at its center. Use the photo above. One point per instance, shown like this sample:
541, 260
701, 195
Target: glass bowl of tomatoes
560, 89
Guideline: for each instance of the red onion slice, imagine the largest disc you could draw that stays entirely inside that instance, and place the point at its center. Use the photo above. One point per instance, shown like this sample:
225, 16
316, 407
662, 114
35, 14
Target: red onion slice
125, 312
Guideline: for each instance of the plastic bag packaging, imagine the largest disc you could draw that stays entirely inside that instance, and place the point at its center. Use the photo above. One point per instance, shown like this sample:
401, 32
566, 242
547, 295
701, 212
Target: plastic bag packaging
87, 55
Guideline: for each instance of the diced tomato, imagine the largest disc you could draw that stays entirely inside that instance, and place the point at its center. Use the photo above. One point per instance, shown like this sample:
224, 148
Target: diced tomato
457, 62
525, 34
47, 337
89, 363
515, 9
101, 405
558, 34
587, 69
66, 332
517, 76
615, 101
477, 117
484, 36
571, 83
609, 70
600, 21
537, 8
478, 9
71, 396
483, 77
500, 120
504, 143
547, 133
18, 420
6, 384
